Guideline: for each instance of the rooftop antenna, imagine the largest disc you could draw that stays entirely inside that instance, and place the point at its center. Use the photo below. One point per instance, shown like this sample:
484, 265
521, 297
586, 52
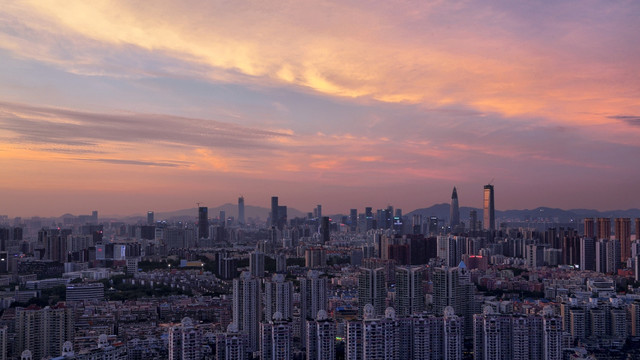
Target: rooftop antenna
491, 182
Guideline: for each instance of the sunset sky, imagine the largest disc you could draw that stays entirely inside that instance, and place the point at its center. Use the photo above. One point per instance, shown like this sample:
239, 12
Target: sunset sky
129, 106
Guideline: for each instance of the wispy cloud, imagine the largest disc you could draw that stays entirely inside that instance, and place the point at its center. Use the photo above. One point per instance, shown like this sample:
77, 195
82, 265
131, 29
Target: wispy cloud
483, 55
629, 119
137, 162
42, 125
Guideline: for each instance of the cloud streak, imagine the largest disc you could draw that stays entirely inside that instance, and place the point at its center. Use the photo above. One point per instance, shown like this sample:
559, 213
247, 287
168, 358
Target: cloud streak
425, 54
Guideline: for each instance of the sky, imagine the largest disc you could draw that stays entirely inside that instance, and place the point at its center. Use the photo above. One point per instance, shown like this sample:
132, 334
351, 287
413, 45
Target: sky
124, 106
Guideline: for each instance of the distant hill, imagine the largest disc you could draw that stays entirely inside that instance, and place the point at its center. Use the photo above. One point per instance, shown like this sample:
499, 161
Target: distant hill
229, 209
540, 213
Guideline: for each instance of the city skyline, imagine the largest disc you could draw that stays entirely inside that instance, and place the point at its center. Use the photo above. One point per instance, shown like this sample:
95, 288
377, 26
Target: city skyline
130, 107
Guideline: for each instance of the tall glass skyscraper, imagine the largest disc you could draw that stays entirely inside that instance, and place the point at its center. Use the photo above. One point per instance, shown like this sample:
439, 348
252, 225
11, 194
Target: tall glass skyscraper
489, 209
454, 213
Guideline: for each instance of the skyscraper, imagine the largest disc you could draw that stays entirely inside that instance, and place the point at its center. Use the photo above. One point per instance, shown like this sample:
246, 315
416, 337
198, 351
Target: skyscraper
278, 297
274, 211
256, 264
184, 341
409, 290
241, 210
623, 233
150, 219
43, 331
604, 228
372, 289
454, 211
473, 222
324, 229
319, 211
589, 228
452, 334
246, 307
489, 209
320, 336
231, 345
313, 294
353, 219
203, 222
276, 339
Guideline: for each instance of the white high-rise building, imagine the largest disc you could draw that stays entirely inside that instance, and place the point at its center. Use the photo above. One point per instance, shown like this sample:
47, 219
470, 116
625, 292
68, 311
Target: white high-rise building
426, 334
185, 341
232, 345
453, 287
353, 348
256, 263
452, 335
313, 297
380, 337
278, 297
409, 290
43, 331
247, 298
321, 337
552, 335
373, 337
313, 294
276, 339
372, 289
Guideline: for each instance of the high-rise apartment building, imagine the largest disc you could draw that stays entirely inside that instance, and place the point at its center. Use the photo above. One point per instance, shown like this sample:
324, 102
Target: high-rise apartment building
247, 298
409, 290
587, 253
589, 228
256, 264
489, 209
320, 337
372, 289
452, 287
185, 341
276, 339
604, 228
454, 210
43, 331
313, 297
278, 297
453, 335
232, 345
203, 222
518, 337
622, 231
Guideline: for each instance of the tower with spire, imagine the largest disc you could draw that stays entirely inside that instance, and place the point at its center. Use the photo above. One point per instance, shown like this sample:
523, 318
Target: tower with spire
454, 215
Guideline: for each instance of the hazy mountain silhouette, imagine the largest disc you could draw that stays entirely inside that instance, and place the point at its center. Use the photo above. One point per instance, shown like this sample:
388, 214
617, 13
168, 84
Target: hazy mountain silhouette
539, 213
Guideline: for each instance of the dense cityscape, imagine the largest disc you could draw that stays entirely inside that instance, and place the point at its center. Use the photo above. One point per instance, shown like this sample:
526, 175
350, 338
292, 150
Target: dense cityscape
319, 180
373, 284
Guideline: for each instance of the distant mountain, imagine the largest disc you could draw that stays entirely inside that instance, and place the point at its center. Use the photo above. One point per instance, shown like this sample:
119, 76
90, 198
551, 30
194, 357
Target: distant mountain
541, 213
229, 209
